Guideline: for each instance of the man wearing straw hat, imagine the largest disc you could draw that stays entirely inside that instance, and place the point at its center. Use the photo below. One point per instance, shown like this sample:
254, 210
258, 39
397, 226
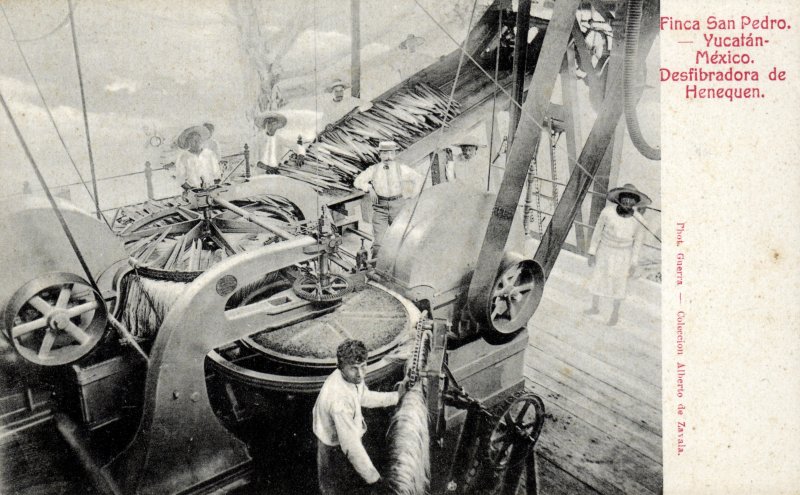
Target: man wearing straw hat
614, 249
389, 183
270, 122
463, 166
340, 104
197, 165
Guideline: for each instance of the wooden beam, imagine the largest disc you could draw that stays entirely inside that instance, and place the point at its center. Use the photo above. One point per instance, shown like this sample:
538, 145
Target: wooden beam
520, 61
603, 176
571, 108
355, 48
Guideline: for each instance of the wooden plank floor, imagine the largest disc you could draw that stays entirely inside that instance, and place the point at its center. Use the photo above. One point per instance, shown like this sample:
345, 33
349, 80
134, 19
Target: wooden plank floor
601, 387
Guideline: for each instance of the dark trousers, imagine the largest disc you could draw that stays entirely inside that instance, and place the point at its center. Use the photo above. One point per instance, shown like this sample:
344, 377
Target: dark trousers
335, 473
383, 214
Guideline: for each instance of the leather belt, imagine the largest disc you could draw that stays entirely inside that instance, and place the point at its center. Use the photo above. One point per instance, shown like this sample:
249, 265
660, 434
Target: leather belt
389, 198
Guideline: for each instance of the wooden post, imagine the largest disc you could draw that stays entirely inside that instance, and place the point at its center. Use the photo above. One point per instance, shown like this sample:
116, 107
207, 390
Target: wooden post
246, 162
520, 60
355, 48
603, 176
148, 177
569, 91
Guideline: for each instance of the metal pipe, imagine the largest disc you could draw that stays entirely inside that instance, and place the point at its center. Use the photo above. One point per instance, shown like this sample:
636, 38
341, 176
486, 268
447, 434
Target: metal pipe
250, 218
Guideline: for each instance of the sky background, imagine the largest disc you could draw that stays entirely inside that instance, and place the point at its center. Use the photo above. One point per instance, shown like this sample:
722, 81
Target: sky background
152, 68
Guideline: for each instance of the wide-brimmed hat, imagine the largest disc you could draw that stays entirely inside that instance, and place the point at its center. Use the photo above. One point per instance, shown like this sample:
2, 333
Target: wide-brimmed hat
263, 118
388, 146
469, 141
641, 198
182, 141
335, 84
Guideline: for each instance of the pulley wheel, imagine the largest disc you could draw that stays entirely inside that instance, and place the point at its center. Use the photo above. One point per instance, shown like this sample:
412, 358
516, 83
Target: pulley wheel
327, 289
514, 297
55, 319
517, 428
510, 444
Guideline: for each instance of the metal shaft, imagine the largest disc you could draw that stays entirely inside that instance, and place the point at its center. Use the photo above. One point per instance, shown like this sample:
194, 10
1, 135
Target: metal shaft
250, 218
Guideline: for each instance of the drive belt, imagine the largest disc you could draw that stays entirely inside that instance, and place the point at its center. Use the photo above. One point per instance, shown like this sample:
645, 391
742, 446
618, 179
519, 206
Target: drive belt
526, 139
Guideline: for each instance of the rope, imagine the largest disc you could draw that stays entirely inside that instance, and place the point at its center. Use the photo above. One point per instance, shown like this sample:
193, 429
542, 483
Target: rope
643, 224
494, 100
83, 106
47, 108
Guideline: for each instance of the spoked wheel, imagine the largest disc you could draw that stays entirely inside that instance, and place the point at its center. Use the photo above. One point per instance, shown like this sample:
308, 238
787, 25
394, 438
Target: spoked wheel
325, 289
514, 297
55, 319
511, 442
179, 243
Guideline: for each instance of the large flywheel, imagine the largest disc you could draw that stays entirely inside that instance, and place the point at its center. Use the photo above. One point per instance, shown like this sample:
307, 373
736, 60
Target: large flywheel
55, 319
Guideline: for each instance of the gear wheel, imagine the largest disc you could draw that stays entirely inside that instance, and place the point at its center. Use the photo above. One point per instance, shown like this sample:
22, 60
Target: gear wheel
331, 288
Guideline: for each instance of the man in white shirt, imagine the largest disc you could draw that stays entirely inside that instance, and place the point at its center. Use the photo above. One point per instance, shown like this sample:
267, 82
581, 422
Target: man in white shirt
343, 465
197, 165
389, 183
464, 166
271, 122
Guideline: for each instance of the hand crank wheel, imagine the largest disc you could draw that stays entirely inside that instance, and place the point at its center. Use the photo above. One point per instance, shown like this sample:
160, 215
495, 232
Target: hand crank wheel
329, 288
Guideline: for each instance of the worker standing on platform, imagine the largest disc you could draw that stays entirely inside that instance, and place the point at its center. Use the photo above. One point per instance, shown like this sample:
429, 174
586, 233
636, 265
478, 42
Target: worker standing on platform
462, 165
343, 465
197, 165
389, 183
614, 249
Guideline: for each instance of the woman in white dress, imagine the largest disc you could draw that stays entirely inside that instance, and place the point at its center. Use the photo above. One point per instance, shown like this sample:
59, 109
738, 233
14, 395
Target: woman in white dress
615, 246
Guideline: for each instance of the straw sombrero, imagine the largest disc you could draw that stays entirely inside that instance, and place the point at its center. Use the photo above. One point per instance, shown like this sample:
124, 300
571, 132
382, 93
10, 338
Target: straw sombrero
336, 83
182, 141
264, 118
614, 194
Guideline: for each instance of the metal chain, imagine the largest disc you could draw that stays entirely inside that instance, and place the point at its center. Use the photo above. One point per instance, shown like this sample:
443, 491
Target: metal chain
538, 193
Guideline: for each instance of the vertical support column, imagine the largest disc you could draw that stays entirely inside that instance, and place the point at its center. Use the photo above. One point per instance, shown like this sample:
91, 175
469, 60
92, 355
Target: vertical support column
246, 162
569, 91
148, 179
520, 60
355, 48
611, 158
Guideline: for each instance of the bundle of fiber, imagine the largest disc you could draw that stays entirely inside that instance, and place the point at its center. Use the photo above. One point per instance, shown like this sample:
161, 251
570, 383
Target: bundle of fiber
409, 468
147, 302
350, 145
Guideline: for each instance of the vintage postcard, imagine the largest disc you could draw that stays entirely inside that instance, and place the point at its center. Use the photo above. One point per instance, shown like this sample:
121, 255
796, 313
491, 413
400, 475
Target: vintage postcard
399, 247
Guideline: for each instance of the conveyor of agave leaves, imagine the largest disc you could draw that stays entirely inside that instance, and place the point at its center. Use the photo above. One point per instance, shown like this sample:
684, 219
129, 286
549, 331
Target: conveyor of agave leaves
350, 145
